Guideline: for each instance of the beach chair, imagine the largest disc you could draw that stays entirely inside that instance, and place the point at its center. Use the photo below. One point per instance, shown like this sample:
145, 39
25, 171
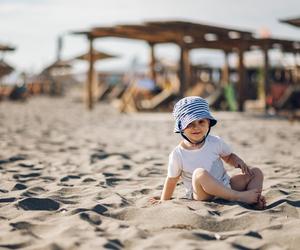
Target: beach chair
223, 98
117, 91
104, 92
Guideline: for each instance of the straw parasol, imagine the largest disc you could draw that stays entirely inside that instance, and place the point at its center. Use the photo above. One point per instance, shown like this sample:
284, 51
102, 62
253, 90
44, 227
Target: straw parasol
6, 48
97, 55
5, 68
292, 21
59, 64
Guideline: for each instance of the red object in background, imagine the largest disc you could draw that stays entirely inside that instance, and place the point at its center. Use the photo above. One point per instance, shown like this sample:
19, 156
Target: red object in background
276, 92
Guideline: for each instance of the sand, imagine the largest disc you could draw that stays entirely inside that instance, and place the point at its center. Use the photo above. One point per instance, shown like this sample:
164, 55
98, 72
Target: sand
72, 179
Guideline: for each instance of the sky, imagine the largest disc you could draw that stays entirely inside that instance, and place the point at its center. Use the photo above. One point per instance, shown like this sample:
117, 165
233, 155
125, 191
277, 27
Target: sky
33, 26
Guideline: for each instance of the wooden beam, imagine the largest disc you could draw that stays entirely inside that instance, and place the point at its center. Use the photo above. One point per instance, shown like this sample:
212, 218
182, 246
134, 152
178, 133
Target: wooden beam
152, 62
225, 70
242, 79
266, 70
184, 71
89, 86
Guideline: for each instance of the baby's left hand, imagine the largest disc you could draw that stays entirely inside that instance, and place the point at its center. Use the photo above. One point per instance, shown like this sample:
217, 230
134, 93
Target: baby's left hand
244, 167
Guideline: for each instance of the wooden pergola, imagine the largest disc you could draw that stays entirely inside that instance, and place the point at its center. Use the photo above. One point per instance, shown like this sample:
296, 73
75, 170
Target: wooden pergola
187, 36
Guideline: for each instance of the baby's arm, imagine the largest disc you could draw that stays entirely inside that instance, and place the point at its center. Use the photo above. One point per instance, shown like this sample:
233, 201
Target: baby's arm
234, 160
169, 187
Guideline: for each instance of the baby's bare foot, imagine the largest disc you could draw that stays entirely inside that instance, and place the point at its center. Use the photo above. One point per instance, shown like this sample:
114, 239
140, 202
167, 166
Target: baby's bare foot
261, 203
250, 196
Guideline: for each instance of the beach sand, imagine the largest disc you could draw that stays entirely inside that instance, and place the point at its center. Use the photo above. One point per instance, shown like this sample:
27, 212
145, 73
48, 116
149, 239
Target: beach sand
73, 179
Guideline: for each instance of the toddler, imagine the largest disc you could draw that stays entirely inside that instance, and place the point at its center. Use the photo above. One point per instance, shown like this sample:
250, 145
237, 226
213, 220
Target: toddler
198, 160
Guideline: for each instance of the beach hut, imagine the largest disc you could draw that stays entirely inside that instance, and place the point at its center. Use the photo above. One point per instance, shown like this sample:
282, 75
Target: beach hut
51, 76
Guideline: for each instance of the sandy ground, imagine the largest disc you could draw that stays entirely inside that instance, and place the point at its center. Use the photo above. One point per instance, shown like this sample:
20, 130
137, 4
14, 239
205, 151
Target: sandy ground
72, 179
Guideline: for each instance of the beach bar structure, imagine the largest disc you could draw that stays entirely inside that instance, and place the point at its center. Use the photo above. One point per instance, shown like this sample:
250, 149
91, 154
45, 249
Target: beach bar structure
188, 36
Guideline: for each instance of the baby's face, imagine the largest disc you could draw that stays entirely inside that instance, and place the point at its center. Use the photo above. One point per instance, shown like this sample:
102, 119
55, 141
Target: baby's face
196, 130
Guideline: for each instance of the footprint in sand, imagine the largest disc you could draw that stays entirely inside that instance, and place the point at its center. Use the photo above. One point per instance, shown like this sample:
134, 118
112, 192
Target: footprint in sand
99, 209
91, 217
113, 181
26, 177
34, 191
68, 177
100, 155
114, 244
39, 204
88, 179
19, 186
15, 246
147, 172
26, 165
22, 225
143, 191
7, 200
13, 159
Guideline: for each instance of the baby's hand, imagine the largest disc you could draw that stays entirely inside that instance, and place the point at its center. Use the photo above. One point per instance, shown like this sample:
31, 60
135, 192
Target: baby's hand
244, 167
154, 200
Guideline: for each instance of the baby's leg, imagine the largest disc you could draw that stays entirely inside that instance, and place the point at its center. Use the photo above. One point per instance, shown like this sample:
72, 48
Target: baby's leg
257, 180
205, 187
241, 182
257, 183
199, 194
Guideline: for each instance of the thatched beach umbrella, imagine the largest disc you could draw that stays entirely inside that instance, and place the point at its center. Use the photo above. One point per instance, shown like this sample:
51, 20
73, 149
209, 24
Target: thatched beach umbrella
5, 68
97, 55
60, 64
6, 48
292, 21
52, 73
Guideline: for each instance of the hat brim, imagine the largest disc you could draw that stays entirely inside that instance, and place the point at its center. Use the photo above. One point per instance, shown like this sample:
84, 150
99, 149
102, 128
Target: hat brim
177, 129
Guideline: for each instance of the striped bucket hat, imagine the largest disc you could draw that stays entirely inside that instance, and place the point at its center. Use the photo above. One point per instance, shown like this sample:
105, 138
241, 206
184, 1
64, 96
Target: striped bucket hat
190, 109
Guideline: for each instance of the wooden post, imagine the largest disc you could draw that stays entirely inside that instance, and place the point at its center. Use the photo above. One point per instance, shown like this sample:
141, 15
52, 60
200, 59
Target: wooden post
152, 63
242, 82
266, 70
184, 70
89, 87
225, 70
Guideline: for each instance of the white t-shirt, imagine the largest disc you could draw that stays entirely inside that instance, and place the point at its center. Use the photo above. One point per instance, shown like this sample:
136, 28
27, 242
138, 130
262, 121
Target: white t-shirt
183, 162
